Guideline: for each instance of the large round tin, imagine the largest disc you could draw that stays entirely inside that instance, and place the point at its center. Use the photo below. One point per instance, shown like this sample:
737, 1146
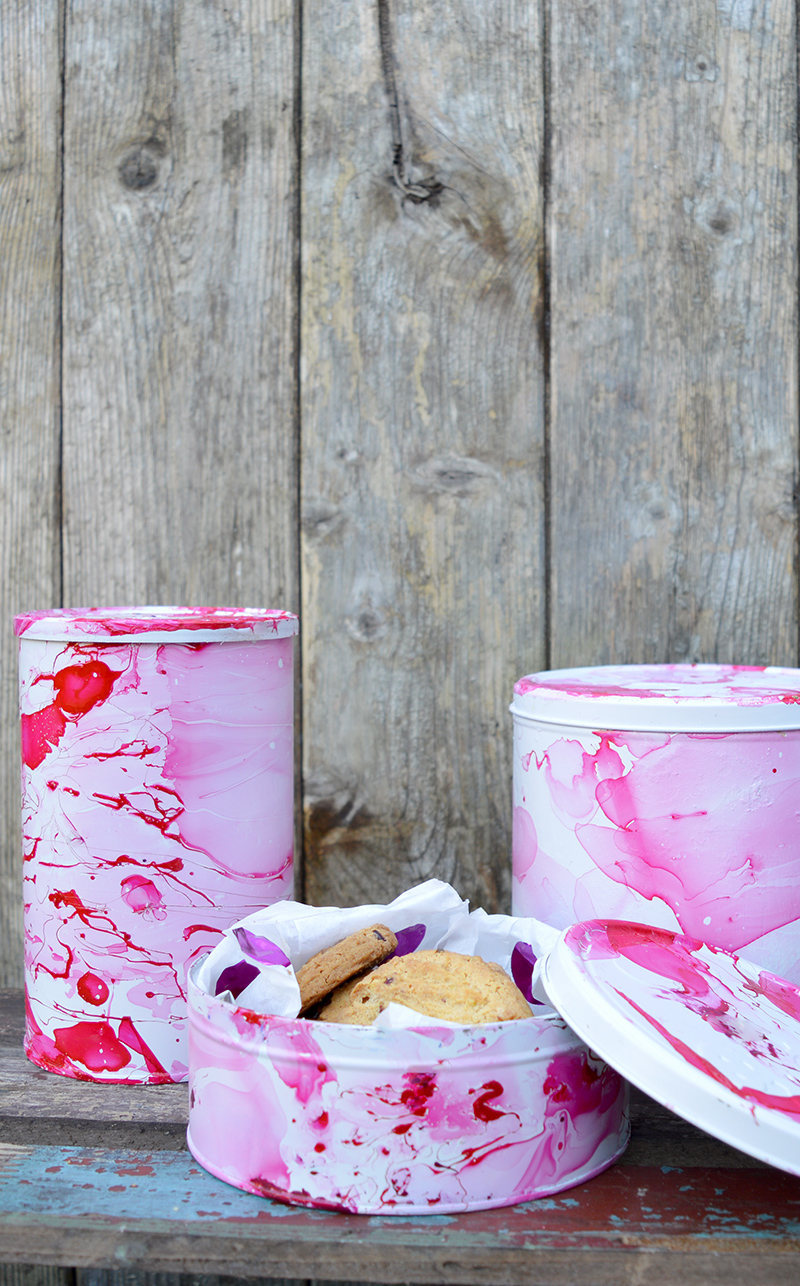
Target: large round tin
414, 1121
663, 794
157, 807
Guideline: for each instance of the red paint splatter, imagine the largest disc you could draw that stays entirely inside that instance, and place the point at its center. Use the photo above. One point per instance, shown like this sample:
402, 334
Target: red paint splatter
787, 1103
483, 1112
420, 1088
79, 688
41, 731
94, 1045
152, 810
56, 973
141, 895
199, 928
130, 1037
87, 915
40, 1048
127, 750
29, 857
782, 994
295, 1197
92, 989
60, 898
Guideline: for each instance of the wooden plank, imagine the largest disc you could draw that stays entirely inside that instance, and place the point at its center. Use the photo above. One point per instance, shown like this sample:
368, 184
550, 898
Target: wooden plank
159, 1212
422, 413
673, 234
26, 1090
35, 1275
30, 252
133, 1277
12, 1017
38, 1107
180, 244
661, 1138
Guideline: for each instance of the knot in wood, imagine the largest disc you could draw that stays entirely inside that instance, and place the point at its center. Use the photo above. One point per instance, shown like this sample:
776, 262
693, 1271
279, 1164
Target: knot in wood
368, 625
416, 192
138, 169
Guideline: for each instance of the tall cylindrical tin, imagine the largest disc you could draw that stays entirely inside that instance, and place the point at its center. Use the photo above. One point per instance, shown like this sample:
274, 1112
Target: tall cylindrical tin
668, 794
157, 807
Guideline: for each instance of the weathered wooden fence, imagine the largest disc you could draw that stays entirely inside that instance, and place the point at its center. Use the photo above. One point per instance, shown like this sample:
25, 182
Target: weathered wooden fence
466, 327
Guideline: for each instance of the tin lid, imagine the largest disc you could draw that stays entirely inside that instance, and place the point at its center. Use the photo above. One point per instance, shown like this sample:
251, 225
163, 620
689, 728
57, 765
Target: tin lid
156, 624
709, 1035
663, 698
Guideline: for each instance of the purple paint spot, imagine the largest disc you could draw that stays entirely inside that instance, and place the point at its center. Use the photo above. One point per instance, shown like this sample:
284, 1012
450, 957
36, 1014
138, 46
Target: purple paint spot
409, 939
235, 978
522, 962
260, 948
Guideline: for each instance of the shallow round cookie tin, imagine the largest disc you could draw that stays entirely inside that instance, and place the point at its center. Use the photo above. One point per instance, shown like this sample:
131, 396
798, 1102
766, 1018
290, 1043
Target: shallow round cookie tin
422, 1120
157, 777
667, 794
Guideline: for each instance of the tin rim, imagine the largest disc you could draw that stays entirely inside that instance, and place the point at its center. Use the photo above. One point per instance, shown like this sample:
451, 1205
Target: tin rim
156, 624
662, 698
382, 1038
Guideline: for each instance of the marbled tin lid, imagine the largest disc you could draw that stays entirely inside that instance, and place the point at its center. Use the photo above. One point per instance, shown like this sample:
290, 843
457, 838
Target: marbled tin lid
663, 698
156, 624
708, 1034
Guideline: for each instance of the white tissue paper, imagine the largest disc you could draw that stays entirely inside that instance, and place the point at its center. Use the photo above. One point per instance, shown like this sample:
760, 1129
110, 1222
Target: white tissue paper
254, 965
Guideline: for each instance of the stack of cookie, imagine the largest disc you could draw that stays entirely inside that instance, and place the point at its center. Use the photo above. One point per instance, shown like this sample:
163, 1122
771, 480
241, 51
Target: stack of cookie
354, 980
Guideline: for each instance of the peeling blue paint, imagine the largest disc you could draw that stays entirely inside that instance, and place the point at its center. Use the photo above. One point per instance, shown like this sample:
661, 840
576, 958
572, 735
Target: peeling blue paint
97, 1187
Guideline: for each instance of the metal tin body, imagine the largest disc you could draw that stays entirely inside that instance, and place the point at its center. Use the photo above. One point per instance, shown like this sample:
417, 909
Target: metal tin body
157, 787
663, 794
415, 1121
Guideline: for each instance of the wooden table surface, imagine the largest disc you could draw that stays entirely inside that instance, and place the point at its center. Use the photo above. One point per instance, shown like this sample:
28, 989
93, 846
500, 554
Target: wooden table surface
95, 1176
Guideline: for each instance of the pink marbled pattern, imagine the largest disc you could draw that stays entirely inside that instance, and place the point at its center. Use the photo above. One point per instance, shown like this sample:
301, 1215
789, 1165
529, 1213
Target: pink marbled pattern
688, 831
184, 624
735, 685
157, 808
413, 1121
697, 1009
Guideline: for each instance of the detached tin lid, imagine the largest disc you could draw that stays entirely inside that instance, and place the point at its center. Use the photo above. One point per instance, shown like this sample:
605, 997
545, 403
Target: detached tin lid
707, 1034
663, 698
156, 624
